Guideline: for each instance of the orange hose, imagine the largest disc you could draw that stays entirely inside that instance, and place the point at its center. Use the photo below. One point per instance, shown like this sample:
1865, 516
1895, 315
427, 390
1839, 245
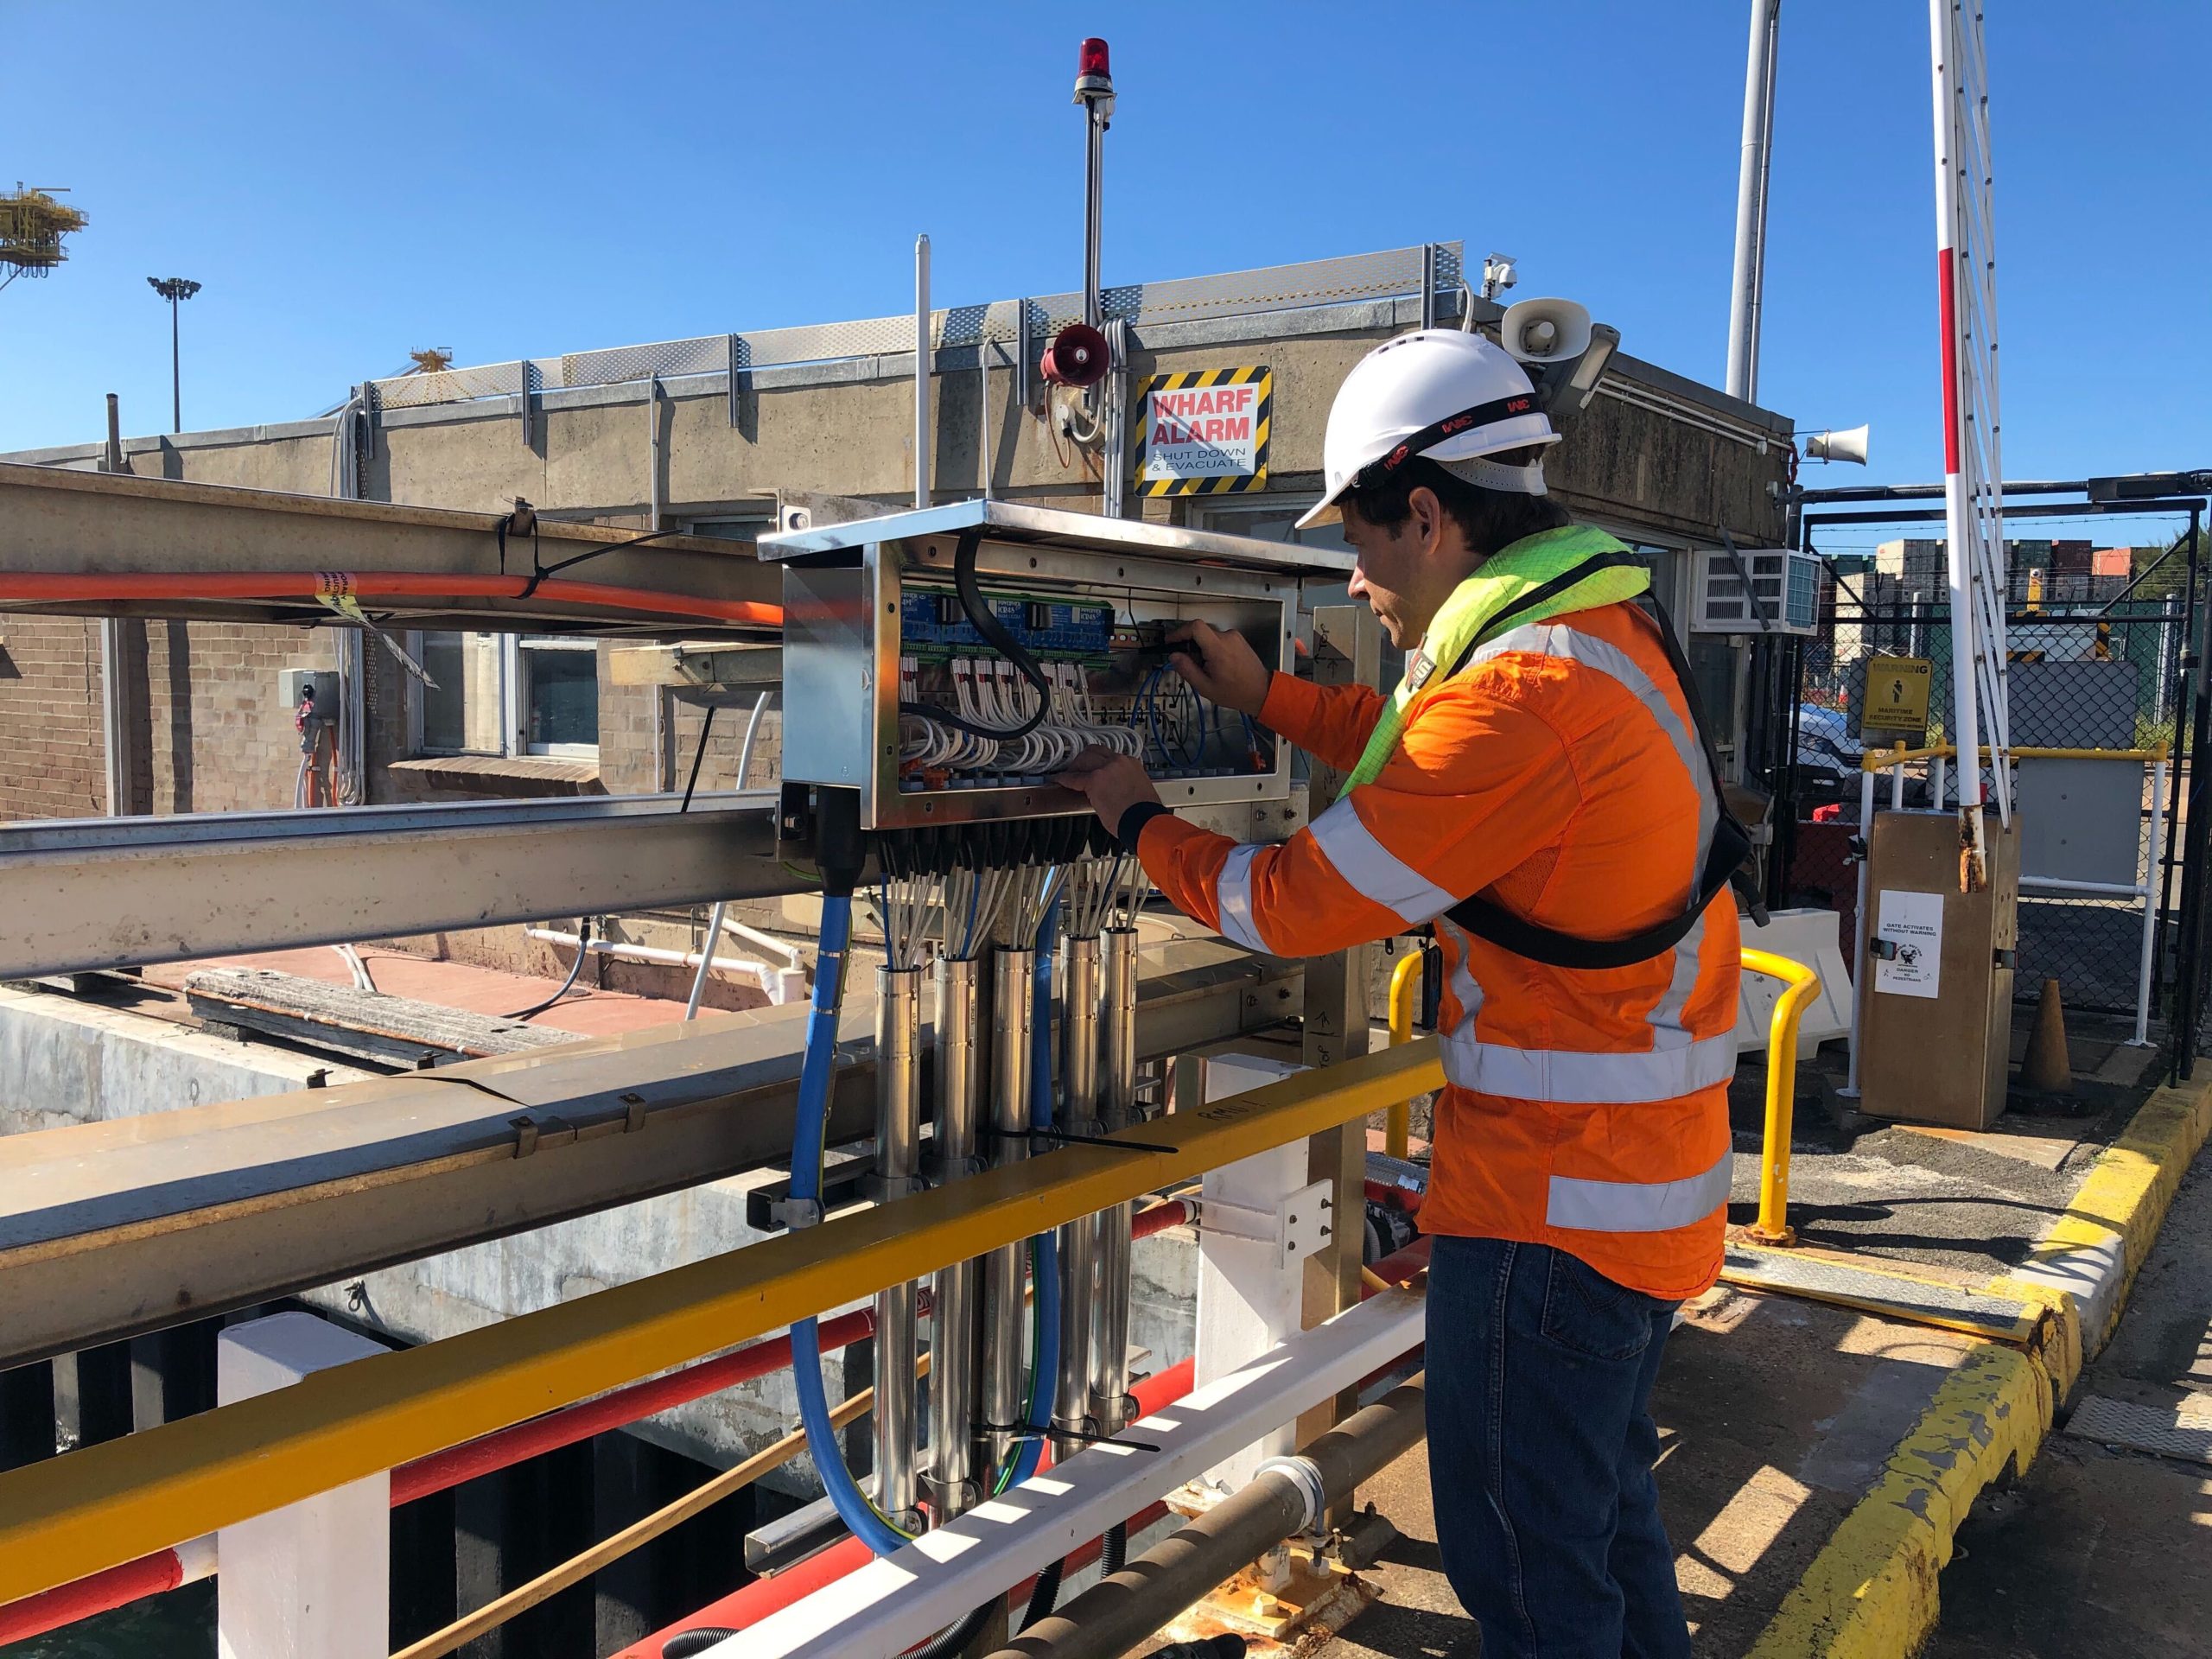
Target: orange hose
44, 588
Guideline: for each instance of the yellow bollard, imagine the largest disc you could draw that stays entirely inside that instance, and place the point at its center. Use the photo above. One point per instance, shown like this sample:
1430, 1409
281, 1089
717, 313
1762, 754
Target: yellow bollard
1773, 1225
1399, 1122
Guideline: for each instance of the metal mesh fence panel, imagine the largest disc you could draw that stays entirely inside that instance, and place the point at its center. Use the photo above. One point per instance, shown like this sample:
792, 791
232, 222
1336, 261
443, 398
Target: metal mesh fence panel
2078, 678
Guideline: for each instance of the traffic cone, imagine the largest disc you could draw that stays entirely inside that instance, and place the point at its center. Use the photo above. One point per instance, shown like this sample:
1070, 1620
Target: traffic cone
2045, 1068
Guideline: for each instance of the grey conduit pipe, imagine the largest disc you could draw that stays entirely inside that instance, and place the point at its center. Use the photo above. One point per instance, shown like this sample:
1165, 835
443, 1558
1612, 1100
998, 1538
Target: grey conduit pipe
1288, 1496
721, 905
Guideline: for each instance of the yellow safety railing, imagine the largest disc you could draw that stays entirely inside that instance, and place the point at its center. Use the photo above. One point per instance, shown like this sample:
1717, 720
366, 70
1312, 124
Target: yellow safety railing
1773, 1226
1883, 759
1405, 979
102, 1505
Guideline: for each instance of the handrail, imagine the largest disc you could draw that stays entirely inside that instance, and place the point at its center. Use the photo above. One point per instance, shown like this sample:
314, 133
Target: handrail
1400, 1118
1883, 759
108, 1504
1773, 1226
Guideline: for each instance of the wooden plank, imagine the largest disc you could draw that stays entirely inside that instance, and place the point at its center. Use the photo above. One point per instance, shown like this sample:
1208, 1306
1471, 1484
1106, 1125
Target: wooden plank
373, 1023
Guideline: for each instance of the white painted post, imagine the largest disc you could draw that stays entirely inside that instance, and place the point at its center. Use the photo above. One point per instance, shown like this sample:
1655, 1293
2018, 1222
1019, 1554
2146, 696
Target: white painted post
311, 1580
2142, 1038
1850, 1089
1250, 1298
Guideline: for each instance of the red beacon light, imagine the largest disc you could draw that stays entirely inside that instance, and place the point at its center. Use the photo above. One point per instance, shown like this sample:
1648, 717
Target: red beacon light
1094, 73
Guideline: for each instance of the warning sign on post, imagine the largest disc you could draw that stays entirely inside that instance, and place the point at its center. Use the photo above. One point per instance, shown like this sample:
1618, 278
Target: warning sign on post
1202, 432
1909, 943
1896, 694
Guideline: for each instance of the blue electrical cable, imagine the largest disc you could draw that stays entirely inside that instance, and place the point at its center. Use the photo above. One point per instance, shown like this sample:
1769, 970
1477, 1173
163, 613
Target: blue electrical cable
852, 1504
1045, 1248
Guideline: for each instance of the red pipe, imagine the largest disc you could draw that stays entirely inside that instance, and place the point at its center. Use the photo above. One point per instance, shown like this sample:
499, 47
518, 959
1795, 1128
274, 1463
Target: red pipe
505, 1446
748, 1605
47, 588
150, 1575
50, 1610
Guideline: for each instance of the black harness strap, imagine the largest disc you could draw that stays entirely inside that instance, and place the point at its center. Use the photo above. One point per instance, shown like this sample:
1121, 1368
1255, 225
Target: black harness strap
1723, 859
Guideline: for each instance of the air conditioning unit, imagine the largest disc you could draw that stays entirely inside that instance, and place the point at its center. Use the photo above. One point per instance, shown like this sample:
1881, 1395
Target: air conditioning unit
1785, 583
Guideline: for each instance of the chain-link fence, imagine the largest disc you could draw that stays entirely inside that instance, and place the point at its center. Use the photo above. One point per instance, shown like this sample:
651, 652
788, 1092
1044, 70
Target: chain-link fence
2080, 678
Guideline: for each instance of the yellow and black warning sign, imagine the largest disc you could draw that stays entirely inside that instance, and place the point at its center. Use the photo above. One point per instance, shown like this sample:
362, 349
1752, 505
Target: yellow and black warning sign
1202, 432
1896, 694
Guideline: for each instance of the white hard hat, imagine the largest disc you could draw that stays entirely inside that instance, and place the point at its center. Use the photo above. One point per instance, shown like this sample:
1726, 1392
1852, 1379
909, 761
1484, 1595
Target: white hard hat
1437, 392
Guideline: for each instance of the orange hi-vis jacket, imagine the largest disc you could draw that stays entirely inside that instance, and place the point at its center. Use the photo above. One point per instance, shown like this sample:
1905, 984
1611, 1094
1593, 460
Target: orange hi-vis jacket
1560, 775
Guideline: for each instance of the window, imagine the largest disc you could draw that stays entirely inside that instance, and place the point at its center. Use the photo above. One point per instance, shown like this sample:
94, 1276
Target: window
504, 694
558, 696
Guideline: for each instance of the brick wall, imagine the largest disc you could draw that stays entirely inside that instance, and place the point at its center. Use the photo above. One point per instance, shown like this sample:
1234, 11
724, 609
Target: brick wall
55, 764
209, 732
627, 756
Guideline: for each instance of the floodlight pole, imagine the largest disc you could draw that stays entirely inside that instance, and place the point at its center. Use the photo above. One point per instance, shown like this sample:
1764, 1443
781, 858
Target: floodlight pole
175, 290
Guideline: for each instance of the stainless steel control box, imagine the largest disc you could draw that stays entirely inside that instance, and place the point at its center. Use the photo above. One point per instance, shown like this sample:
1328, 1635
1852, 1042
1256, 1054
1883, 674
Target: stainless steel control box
854, 600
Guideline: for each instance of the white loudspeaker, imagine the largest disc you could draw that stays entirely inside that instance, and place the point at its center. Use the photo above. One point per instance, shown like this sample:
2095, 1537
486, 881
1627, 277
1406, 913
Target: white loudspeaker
1838, 446
1545, 331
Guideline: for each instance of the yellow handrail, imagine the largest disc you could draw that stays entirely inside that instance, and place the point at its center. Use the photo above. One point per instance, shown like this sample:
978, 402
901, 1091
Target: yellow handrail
105, 1504
1773, 1225
1399, 1122
1883, 759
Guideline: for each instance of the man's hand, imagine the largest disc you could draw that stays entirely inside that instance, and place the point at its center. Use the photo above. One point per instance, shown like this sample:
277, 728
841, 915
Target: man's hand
1112, 783
1223, 668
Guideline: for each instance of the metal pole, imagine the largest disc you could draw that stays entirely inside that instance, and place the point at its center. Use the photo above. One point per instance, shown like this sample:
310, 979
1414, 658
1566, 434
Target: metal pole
1962, 523
1094, 212
922, 356
898, 1160
953, 1328
1079, 1238
1003, 1275
653, 451
176, 373
1850, 1089
2150, 903
1117, 1042
1743, 380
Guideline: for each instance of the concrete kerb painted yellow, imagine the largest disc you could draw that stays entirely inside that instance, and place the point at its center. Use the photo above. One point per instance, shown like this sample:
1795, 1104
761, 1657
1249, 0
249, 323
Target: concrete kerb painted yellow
2085, 1265
1871, 1594
1872, 1591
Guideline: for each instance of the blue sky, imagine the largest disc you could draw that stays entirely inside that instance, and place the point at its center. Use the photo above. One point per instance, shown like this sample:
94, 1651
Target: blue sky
506, 180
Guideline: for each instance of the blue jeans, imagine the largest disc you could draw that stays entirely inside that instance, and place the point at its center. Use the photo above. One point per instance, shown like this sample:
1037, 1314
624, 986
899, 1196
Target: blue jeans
1541, 1445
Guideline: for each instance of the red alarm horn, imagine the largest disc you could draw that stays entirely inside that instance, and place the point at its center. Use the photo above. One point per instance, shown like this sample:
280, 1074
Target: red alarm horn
1078, 357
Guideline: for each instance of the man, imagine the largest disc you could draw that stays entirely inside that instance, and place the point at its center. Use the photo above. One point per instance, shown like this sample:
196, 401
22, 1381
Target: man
1539, 791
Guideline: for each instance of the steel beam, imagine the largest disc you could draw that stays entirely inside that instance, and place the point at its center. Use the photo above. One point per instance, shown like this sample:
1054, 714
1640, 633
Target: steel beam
110, 1229
58, 522
87, 894
106, 1504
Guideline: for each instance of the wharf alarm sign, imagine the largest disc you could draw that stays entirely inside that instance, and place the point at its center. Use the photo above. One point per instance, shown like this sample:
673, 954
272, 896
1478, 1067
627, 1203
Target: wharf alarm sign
1202, 432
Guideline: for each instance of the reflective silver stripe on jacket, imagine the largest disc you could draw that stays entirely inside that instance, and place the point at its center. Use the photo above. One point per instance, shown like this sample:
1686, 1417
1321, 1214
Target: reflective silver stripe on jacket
1566, 1077
1587, 651
1637, 1206
1371, 868
1233, 893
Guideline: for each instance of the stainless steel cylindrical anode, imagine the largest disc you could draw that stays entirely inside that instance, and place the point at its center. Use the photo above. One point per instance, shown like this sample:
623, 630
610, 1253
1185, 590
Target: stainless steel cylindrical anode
898, 1163
1004, 1275
953, 1328
1117, 1042
1079, 1238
